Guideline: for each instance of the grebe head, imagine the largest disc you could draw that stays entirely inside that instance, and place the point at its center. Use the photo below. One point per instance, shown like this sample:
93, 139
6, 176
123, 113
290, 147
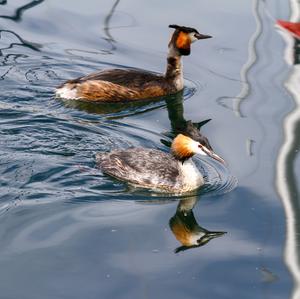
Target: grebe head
183, 37
184, 147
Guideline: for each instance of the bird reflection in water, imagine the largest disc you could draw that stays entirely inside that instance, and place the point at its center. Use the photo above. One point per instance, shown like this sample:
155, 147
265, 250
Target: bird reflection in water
179, 125
186, 229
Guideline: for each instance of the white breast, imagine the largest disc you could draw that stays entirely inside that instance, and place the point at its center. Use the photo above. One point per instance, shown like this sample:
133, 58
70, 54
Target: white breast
192, 178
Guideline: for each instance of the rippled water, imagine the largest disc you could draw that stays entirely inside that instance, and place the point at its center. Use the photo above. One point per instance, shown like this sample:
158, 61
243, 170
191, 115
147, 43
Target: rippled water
68, 231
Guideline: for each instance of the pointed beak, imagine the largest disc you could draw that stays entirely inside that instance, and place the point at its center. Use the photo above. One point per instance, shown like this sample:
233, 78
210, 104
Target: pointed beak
202, 36
213, 155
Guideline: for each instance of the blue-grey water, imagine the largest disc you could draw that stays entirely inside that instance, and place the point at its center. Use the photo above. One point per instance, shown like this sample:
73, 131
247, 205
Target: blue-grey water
68, 231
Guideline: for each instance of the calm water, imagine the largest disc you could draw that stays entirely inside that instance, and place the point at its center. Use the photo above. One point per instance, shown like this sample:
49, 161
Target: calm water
68, 231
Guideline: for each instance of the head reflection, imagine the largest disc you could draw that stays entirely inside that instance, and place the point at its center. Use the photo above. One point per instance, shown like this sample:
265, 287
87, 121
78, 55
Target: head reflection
186, 229
179, 125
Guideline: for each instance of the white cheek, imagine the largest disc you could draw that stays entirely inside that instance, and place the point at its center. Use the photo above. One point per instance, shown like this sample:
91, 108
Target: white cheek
192, 37
196, 149
201, 152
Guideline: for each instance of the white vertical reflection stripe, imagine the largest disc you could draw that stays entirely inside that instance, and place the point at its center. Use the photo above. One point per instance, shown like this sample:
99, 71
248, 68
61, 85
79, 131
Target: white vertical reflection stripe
291, 205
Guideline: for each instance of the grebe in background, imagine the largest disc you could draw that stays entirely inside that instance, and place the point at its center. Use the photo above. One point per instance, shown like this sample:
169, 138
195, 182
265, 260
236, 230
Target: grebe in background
119, 85
172, 172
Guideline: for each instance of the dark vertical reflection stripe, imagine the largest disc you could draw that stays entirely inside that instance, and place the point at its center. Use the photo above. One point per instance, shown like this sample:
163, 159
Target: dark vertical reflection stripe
19, 11
106, 29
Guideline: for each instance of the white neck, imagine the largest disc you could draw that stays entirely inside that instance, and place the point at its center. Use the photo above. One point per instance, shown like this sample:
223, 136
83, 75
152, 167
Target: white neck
191, 176
174, 70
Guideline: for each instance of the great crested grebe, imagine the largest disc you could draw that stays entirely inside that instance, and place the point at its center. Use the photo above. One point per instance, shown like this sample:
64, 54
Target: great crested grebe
172, 172
119, 85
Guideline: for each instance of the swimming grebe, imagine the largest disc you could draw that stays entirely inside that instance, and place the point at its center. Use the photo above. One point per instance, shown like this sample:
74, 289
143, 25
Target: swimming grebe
186, 229
119, 85
172, 172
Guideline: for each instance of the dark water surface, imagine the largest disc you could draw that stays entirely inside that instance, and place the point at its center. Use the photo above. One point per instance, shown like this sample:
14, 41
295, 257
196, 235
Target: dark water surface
68, 231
